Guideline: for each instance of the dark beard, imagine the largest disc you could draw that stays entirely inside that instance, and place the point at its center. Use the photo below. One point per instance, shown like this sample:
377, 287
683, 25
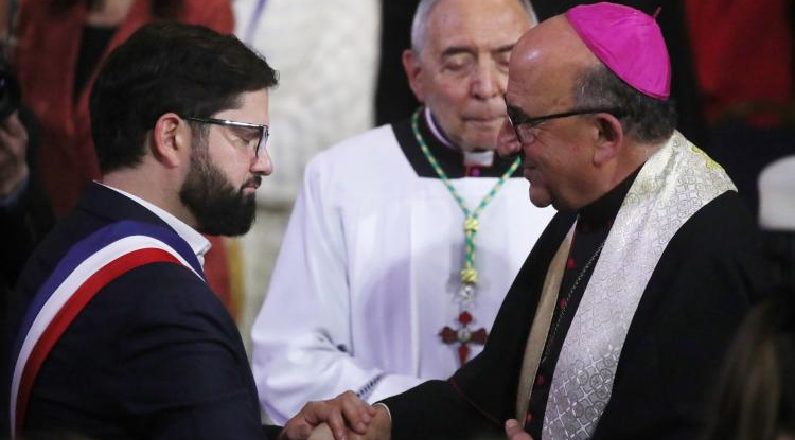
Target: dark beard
218, 207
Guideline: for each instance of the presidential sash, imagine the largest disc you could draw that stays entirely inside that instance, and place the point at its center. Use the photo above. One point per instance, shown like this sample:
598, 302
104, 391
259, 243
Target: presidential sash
88, 266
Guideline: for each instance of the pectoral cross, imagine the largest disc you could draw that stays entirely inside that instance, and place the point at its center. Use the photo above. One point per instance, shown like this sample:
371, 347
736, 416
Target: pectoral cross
464, 336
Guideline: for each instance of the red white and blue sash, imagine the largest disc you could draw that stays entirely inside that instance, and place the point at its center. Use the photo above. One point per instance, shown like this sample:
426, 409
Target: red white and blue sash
86, 269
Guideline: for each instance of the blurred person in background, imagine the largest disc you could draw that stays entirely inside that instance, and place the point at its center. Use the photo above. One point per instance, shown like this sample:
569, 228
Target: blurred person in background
755, 398
116, 333
25, 212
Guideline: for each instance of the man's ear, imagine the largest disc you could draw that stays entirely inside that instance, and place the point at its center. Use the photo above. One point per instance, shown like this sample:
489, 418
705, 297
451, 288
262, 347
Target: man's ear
610, 138
413, 67
170, 140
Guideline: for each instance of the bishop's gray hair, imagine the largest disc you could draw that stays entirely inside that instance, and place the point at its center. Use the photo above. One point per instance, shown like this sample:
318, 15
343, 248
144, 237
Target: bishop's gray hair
419, 24
645, 119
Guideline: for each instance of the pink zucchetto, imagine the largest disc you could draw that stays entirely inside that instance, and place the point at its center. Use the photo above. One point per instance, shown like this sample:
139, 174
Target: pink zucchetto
628, 42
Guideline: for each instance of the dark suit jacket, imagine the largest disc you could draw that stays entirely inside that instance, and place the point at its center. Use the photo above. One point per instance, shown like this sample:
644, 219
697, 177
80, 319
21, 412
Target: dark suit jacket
699, 291
153, 355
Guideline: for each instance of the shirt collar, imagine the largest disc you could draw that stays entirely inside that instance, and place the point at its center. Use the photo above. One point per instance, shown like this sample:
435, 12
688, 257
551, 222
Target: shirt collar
481, 159
450, 159
195, 240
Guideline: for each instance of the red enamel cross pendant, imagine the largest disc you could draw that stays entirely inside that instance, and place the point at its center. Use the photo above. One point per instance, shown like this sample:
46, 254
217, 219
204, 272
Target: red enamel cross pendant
464, 336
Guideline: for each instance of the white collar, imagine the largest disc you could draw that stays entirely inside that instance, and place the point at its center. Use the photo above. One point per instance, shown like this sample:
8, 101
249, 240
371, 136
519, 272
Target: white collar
195, 240
437, 133
471, 158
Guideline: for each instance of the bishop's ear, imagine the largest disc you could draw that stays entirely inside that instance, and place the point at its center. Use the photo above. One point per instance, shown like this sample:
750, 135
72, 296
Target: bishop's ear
170, 140
610, 136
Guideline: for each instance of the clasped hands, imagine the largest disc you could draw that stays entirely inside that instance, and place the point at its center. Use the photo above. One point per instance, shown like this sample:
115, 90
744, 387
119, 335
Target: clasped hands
346, 417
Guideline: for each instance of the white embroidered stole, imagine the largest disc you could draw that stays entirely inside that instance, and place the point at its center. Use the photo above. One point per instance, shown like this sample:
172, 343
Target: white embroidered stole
675, 182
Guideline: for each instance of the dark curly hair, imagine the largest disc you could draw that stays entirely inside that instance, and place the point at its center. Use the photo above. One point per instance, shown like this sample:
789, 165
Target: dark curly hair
167, 67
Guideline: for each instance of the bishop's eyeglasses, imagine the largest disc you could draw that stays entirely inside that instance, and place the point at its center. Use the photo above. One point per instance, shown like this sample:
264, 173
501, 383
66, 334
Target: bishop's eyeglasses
524, 126
246, 131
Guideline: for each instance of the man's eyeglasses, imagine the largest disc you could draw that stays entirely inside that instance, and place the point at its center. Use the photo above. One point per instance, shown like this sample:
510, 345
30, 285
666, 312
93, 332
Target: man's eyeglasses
246, 131
524, 126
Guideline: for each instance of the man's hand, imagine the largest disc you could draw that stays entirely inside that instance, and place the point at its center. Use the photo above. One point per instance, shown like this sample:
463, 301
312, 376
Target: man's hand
13, 148
345, 414
513, 431
379, 429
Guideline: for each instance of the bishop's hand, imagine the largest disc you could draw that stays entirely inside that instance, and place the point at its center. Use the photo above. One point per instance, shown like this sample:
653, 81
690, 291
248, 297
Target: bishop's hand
514, 431
345, 416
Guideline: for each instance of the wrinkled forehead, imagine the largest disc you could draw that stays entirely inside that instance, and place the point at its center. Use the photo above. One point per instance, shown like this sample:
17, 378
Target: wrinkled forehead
475, 24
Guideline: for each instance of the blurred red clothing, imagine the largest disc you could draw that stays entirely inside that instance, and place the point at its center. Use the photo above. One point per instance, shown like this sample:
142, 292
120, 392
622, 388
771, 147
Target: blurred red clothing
743, 52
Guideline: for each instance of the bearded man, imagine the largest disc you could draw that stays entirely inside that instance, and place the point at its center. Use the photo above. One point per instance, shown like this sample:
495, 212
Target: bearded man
114, 332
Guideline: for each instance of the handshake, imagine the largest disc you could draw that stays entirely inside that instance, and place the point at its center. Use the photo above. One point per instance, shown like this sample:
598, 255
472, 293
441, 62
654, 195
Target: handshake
346, 417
